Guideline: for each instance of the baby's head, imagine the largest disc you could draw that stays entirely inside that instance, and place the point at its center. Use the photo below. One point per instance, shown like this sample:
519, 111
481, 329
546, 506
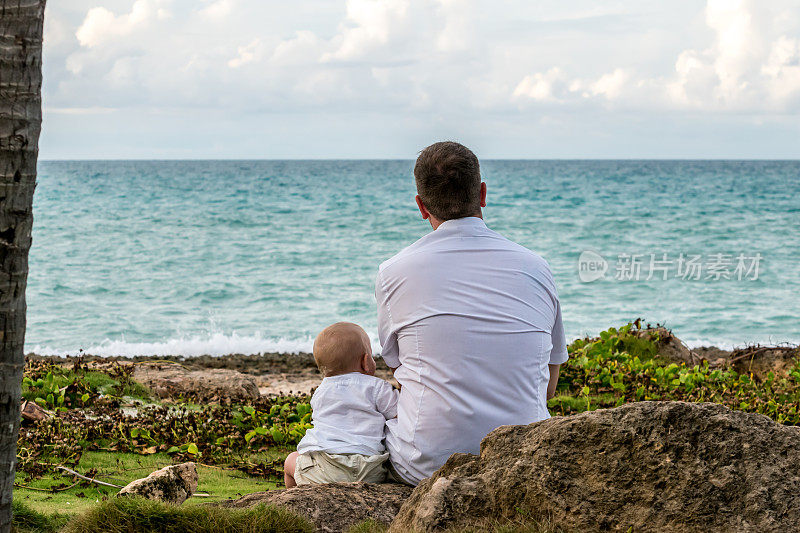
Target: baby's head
342, 348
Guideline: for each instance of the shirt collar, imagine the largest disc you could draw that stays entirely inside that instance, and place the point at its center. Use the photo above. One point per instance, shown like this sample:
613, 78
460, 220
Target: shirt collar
462, 223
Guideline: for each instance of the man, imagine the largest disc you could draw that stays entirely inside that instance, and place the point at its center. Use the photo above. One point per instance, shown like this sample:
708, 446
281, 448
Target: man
469, 321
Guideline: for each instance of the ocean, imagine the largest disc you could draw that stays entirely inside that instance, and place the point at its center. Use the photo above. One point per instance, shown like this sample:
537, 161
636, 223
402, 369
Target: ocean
218, 257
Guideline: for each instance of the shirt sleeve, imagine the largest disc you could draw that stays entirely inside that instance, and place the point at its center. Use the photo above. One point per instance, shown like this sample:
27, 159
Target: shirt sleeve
558, 354
386, 400
390, 352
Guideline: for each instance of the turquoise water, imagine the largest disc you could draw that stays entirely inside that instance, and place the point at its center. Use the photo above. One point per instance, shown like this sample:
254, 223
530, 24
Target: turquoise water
192, 257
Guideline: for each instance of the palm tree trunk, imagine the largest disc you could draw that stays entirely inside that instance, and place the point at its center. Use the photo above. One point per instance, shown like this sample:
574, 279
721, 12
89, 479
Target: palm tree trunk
20, 122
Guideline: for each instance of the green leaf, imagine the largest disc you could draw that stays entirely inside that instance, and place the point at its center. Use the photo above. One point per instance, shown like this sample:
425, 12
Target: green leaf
192, 448
249, 435
262, 430
134, 433
277, 435
249, 409
173, 449
40, 402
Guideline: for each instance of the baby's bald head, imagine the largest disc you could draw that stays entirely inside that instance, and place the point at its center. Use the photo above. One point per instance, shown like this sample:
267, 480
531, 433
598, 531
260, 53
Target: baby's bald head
340, 348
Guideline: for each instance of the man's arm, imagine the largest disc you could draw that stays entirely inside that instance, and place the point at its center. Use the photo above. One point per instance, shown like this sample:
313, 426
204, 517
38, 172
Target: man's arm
390, 351
553, 383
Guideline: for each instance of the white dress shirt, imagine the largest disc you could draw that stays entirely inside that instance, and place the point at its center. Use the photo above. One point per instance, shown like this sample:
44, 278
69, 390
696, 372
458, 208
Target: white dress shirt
349, 413
470, 320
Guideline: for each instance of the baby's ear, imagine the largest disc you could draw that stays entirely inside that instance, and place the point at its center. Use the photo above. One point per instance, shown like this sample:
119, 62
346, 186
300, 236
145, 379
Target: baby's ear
368, 364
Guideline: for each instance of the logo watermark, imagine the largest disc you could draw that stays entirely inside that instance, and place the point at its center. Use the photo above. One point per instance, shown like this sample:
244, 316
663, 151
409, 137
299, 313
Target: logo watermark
662, 266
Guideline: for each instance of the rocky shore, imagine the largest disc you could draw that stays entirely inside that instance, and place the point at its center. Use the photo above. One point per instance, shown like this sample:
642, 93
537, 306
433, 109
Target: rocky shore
241, 377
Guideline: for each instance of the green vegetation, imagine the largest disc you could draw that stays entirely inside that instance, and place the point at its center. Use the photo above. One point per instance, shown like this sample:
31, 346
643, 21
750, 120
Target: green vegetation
134, 515
621, 366
107, 426
99, 414
58, 388
27, 520
119, 468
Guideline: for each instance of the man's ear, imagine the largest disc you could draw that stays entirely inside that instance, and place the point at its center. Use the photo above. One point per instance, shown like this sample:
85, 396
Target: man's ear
483, 194
422, 209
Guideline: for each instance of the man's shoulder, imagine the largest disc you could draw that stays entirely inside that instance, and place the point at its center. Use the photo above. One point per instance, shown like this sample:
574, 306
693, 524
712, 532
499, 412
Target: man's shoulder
408, 252
533, 259
428, 243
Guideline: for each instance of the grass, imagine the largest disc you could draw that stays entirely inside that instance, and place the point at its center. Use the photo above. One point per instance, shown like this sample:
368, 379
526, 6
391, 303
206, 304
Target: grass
26, 520
122, 468
562, 402
135, 515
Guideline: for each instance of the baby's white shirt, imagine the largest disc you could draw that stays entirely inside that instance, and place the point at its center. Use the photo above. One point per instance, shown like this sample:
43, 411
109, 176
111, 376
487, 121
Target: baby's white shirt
349, 415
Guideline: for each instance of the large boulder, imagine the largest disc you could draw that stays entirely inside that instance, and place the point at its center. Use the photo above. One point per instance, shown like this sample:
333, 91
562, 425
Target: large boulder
334, 507
214, 384
173, 484
649, 466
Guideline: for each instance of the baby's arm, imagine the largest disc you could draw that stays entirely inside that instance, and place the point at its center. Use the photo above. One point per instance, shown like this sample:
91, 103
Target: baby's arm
386, 398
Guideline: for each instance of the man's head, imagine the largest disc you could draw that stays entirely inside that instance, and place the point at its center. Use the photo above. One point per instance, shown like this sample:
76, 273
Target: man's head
449, 185
342, 348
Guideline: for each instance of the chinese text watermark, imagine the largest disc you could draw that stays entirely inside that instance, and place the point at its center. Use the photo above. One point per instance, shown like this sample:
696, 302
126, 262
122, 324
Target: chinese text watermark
662, 266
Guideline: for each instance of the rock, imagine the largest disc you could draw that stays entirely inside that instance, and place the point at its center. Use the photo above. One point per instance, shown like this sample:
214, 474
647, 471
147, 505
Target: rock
334, 507
760, 361
173, 484
174, 381
671, 347
648, 466
34, 412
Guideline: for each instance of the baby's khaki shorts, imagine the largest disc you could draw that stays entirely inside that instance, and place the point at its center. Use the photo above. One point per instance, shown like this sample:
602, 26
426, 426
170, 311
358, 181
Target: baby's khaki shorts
322, 467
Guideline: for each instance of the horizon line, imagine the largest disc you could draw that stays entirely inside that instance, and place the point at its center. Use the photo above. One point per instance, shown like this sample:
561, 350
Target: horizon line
141, 159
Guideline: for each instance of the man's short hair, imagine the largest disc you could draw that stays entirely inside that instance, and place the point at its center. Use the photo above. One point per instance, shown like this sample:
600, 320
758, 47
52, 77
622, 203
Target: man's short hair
448, 178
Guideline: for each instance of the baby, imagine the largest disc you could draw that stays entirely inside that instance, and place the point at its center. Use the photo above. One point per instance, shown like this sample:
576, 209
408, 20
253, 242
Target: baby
350, 409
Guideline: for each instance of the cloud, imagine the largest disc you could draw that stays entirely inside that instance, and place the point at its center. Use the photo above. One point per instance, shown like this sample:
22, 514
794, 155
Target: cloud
747, 68
246, 54
550, 86
422, 65
101, 25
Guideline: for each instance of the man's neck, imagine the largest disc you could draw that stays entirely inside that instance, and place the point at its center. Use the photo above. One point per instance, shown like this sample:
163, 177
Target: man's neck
435, 222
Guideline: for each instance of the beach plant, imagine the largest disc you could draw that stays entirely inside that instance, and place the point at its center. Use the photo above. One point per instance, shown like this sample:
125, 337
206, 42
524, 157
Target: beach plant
213, 434
284, 423
621, 365
55, 388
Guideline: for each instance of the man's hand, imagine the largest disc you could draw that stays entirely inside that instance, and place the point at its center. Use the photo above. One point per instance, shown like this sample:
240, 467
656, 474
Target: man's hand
551, 385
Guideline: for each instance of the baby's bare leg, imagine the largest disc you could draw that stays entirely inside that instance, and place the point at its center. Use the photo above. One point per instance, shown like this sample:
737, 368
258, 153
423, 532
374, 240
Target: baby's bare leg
288, 470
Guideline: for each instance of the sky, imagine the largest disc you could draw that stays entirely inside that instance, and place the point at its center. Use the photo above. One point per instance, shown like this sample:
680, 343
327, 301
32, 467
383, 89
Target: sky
266, 79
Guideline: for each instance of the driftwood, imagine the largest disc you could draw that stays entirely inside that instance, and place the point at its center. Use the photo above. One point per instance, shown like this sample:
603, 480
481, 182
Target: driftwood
97, 481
